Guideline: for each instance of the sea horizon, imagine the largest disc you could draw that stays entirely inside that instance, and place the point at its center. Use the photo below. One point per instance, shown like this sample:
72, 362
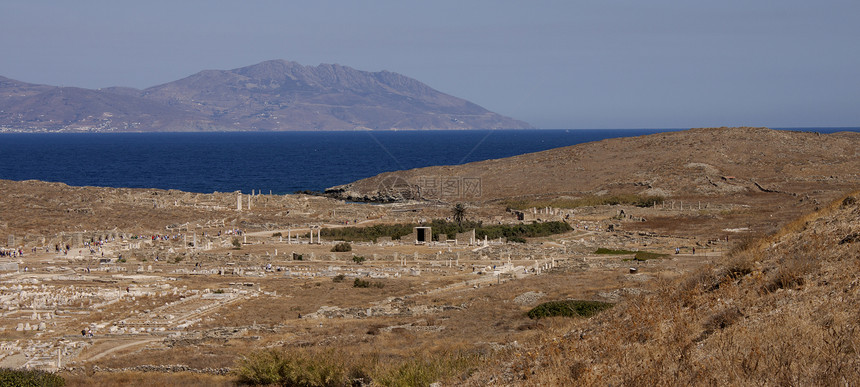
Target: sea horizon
280, 162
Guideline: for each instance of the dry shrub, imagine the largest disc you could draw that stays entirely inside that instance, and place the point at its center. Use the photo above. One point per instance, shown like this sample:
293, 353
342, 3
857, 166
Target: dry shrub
850, 238
723, 319
374, 329
746, 242
530, 326
309, 367
702, 280
424, 369
300, 368
719, 321
738, 265
578, 369
789, 274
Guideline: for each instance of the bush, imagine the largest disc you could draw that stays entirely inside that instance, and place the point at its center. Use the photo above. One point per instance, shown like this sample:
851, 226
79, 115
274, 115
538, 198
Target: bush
10, 377
738, 265
360, 283
338, 278
450, 229
341, 247
336, 368
277, 234
568, 308
236, 243
613, 252
358, 259
273, 367
424, 370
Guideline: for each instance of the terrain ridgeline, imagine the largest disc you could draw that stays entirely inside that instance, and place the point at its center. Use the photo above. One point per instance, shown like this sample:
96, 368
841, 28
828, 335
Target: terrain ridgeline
275, 95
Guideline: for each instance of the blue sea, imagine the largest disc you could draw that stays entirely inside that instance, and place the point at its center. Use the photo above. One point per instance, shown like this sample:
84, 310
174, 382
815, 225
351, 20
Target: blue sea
280, 162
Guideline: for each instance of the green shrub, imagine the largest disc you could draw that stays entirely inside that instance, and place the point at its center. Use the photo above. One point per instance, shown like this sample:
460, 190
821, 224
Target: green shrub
449, 229
358, 259
338, 278
236, 243
568, 308
27, 378
360, 283
277, 234
613, 252
341, 247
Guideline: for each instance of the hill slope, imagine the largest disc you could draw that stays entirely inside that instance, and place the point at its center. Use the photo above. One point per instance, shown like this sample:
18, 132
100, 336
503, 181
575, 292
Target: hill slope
693, 163
783, 311
707, 181
272, 95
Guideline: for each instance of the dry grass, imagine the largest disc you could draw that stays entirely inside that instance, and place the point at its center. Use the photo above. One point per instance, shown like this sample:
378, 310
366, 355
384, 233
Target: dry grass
147, 379
783, 311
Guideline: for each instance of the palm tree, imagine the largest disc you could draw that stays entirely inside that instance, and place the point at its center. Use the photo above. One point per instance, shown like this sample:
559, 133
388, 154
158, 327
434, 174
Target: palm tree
459, 211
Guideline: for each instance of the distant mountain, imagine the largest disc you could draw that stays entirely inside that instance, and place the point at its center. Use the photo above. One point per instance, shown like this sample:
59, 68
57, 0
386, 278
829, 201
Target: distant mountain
270, 96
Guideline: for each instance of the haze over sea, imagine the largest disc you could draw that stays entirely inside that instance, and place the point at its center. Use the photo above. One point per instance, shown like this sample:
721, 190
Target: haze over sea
280, 162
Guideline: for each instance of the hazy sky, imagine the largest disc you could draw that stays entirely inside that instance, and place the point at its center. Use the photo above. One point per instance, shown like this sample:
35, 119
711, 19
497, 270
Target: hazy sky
554, 64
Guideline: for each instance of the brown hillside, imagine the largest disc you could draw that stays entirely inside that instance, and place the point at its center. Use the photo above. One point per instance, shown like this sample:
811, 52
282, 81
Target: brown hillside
765, 176
696, 162
782, 312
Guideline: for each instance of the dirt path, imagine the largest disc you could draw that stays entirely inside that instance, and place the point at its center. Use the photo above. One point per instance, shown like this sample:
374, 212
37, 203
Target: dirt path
108, 351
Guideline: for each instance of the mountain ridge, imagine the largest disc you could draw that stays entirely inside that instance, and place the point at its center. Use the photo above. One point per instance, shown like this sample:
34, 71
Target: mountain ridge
274, 95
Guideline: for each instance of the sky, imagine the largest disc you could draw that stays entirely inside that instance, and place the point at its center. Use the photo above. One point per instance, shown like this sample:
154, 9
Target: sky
554, 64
